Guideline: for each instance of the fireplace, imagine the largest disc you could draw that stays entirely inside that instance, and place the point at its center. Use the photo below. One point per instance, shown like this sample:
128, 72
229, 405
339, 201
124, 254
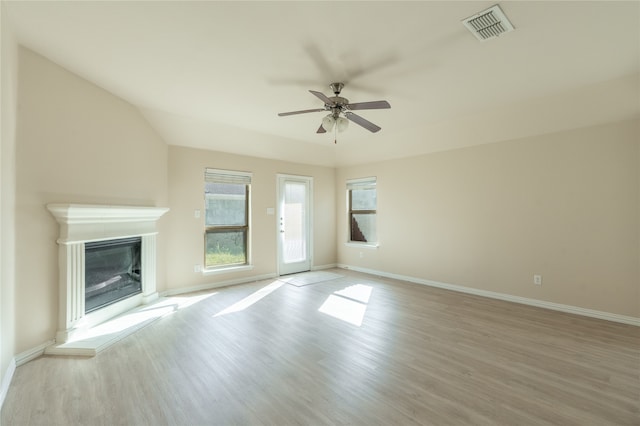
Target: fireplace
112, 272
107, 262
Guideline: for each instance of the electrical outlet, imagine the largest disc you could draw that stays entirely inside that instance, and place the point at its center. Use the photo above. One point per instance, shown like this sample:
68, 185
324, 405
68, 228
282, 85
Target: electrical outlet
197, 268
361, 255
537, 279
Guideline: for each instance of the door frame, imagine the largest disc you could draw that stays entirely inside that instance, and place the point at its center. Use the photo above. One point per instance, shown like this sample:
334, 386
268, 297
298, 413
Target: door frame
280, 179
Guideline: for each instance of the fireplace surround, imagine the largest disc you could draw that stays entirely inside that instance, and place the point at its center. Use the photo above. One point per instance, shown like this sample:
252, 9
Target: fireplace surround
82, 225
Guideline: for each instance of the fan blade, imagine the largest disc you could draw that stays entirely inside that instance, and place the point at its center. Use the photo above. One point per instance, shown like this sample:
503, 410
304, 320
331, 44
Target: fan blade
369, 105
362, 122
323, 98
304, 111
321, 129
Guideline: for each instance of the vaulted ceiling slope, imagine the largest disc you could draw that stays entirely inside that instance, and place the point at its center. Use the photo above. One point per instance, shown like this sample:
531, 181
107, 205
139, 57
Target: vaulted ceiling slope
216, 74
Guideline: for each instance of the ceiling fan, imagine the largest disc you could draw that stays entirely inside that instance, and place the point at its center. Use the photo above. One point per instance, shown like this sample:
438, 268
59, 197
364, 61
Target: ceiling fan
340, 111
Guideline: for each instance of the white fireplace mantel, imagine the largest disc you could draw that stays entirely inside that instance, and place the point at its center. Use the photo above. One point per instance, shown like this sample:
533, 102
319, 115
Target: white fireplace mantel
81, 223
90, 222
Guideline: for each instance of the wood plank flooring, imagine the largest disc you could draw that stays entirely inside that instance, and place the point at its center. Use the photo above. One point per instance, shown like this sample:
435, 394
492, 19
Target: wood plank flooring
421, 356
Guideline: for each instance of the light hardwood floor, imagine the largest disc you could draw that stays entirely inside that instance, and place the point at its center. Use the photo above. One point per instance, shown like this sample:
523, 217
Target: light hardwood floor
421, 356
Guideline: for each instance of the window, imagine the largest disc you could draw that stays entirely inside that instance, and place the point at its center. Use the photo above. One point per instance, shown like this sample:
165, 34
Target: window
362, 202
227, 218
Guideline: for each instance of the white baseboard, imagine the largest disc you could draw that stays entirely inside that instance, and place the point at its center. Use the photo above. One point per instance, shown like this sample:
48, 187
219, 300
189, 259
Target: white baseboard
6, 381
502, 296
18, 360
321, 267
176, 291
28, 355
210, 286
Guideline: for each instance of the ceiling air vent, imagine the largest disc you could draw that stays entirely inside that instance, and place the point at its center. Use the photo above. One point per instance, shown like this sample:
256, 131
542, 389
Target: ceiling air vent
488, 24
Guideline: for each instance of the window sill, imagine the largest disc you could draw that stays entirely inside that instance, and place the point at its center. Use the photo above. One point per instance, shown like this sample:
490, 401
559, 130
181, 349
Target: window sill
363, 245
229, 269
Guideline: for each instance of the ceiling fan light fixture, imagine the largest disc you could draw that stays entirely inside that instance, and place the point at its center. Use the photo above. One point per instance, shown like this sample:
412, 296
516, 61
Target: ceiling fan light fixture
340, 111
342, 124
328, 122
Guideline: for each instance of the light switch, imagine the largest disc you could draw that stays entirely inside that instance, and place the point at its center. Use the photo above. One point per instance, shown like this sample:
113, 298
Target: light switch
271, 211
196, 214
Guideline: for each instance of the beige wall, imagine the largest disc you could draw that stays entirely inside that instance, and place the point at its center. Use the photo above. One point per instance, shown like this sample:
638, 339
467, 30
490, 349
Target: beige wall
8, 94
563, 205
76, 143
186, 194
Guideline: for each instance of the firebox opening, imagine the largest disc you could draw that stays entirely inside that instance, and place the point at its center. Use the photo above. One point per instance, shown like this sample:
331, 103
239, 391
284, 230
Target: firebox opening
112, 271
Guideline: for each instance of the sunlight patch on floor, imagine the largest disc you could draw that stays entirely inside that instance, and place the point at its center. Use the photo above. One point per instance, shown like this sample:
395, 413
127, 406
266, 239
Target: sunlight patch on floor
251, 299
91, 340
141, 315
348, 304
358, 292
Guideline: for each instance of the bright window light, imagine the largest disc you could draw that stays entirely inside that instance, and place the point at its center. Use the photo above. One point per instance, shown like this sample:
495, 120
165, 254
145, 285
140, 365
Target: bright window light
358, 292
348, 304
138, 317
344, 309
251, 299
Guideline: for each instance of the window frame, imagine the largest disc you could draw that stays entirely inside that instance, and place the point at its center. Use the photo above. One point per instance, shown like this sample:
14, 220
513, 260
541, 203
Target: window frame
235, 177
355, 184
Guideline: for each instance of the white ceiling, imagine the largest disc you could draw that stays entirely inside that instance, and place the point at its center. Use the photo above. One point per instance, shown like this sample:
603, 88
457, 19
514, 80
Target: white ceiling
215, 74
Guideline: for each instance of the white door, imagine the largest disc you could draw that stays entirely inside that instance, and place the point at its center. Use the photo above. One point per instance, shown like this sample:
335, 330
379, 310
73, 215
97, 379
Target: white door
294, 224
